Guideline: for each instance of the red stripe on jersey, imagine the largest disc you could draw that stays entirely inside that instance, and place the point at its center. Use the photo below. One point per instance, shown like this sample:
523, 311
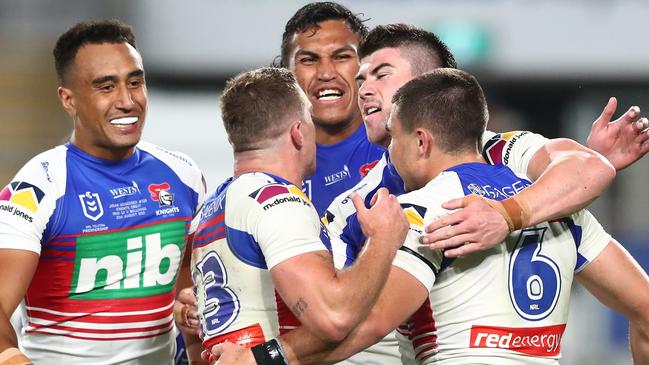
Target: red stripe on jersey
211, 222
286, 319
99, 331
93, 318
66, 305
175, 219
108, 338
208, 234
423, 332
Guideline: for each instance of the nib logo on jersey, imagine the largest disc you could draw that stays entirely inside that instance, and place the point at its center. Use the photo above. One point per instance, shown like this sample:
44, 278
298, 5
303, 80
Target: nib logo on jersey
161, 194
22, 195
127, 264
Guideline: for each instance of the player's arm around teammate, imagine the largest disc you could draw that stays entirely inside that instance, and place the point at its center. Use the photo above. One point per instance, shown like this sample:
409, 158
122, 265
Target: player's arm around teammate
562, 167
329, 302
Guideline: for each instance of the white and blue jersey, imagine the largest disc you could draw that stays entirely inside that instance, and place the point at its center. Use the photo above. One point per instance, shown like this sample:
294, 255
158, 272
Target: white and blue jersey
249, 225
513, 149
505, 305
111, 237
339, 167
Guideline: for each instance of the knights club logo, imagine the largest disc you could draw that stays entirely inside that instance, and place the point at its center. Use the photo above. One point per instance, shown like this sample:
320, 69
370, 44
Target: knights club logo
91, 205
160, 193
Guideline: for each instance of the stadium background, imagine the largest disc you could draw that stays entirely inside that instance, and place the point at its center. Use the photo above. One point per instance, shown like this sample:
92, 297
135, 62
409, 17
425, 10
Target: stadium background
547, 65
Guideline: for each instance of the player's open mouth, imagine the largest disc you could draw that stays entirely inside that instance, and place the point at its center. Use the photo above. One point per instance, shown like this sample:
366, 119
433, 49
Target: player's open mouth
371, 110
329, 94
124, 121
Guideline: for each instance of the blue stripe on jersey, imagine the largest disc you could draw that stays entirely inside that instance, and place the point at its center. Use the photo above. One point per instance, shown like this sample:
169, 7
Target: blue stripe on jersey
245, 248
496, 182
242, 244
577, 233
352, 234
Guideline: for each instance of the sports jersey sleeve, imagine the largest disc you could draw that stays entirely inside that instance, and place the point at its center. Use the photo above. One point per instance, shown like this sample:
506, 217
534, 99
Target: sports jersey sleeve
287, 226
341, 220
514, 149
593, 238
27, 204
418, 260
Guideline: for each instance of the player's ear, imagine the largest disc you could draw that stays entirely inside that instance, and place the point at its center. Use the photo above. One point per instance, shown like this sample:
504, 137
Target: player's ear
67, 100
424, 142
297, 136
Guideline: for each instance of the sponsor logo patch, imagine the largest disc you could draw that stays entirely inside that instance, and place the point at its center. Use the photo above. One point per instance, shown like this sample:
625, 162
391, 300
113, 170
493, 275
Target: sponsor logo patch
160, 193
365, 169
272, 190
536, 341
337, 176
414, 214
123, 191
22, 194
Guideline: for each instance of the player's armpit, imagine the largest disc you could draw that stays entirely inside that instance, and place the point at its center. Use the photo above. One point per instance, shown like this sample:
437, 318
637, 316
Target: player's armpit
603, 278
18, 268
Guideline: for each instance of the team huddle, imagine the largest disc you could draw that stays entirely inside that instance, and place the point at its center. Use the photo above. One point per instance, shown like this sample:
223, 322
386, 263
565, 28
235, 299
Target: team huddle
371, 217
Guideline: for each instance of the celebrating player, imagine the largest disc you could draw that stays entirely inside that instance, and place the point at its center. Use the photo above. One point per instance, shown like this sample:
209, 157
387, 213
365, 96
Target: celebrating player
92, 233
260, 256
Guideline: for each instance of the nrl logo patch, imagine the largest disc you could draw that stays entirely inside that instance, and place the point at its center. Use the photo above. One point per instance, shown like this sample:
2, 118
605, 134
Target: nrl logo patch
91, 205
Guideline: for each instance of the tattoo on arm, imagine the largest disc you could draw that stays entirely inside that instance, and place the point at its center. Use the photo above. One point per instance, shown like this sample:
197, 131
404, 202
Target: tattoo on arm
299, 307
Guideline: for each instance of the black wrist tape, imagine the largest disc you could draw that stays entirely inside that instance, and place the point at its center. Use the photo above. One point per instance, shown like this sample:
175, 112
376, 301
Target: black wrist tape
268, 353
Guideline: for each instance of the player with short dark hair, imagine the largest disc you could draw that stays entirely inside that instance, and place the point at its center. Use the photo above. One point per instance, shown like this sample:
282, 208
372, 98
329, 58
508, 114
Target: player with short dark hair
92, 232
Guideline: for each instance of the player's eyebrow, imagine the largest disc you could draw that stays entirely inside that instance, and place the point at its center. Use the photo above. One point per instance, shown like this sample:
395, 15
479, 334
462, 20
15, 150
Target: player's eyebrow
113, 78
343, 50
378, 68
103, 79
304, 52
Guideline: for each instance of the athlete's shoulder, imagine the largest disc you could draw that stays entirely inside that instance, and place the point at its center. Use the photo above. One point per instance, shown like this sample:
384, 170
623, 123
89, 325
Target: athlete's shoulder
268, 190
46, 171
427, 201
501, 147
174, 159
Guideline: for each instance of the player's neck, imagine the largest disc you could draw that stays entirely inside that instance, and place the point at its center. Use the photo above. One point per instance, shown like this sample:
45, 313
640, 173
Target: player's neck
328, 134
285, 167
444, 161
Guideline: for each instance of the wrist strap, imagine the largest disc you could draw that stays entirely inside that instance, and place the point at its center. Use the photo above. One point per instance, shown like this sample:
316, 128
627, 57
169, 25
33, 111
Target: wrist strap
13, 356
513, 210
269, 353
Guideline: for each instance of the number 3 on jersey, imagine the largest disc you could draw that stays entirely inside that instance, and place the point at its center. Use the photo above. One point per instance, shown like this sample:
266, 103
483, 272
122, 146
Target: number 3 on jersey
221, 304
534, 279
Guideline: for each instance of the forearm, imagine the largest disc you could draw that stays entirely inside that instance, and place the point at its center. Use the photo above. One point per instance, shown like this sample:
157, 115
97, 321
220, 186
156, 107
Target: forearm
359, 286
7, 334
639, 342
194, 347
567, 184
